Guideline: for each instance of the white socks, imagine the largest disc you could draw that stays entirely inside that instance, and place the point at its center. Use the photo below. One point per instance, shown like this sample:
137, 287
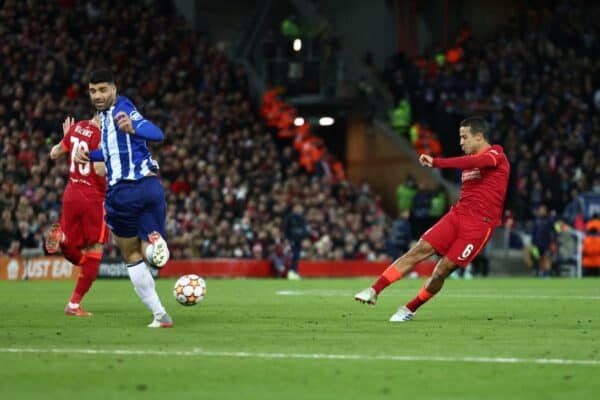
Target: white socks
143, 283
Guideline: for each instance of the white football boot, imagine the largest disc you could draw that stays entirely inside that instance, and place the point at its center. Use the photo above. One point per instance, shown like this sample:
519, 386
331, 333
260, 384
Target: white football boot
163, 322
293, 275
402, 315
367, 296
159, 254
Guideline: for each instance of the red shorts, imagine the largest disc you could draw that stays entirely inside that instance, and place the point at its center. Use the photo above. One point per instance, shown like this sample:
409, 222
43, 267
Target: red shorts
459, 238
82, 218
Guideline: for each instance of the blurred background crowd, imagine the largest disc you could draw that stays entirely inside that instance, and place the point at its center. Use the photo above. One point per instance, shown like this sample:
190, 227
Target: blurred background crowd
537, 80
235, 187
231, 185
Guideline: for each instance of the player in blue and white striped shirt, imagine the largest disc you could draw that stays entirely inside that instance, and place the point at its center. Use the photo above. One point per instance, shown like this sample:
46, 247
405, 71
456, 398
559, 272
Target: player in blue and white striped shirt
135, 200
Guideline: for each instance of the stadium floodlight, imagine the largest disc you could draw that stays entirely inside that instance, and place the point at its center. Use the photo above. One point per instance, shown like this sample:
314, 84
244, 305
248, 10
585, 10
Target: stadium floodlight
297, 45
299, 121
326, 121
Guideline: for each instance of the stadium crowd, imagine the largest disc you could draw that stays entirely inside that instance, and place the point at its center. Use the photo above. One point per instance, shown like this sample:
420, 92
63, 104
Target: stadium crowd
230, 182
537, 81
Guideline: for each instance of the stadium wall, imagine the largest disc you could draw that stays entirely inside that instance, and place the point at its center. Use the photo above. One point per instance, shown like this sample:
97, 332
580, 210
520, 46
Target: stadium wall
375, 157
57, 268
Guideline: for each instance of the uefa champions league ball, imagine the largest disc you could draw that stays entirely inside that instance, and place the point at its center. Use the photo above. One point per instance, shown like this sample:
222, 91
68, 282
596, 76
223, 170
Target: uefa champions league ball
189, 290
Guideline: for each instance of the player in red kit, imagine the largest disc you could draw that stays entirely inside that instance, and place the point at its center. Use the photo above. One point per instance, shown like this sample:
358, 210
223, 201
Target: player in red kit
82, 231
463, 232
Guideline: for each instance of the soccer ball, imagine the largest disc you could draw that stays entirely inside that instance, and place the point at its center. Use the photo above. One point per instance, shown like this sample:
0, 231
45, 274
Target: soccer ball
189, 290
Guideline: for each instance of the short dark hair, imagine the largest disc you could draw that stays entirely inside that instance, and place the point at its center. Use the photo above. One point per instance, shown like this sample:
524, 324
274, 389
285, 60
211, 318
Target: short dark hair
101, 75
477, 125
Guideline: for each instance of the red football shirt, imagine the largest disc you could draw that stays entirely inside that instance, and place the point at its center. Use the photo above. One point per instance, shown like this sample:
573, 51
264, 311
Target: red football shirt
484, 183
85, 135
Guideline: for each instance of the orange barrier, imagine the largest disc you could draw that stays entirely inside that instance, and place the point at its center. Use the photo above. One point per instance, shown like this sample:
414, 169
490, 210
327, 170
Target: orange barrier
225, 267
262, 268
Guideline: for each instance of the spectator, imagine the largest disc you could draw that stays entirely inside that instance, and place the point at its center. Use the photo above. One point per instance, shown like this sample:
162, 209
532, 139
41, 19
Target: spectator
26, 238
296, 230
591, 247
281, 258
420, 218
400, 236
542, 242
405, 194
401, 117
439, 203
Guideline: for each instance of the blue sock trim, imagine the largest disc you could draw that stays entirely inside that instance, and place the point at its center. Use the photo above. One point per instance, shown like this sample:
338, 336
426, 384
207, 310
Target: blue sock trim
135, 263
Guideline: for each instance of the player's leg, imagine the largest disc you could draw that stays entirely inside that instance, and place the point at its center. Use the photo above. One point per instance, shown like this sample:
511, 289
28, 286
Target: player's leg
151, 224
151, 231
66, 235
87, 276
123, 205
141, 277
419, 252
434, 284
95, 234
69, 237
470, 240
436, 239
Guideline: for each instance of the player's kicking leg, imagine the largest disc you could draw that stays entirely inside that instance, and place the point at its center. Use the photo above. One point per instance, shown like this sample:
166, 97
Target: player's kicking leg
419, 252
143, 283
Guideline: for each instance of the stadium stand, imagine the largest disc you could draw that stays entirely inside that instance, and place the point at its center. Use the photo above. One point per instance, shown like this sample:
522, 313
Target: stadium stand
230, 181
537, 80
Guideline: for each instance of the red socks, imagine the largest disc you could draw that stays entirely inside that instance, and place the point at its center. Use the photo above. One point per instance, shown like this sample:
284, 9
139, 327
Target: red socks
389, 276
87, 275
72, 253
418, 301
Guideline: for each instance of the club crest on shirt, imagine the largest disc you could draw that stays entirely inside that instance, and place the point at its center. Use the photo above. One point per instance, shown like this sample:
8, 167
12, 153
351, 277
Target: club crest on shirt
471, 174
135, 115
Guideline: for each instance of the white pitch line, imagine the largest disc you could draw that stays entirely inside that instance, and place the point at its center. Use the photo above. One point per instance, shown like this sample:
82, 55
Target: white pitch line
310, 356
340, 293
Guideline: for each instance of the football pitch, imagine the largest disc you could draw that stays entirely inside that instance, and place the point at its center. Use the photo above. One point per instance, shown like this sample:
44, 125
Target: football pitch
274, 339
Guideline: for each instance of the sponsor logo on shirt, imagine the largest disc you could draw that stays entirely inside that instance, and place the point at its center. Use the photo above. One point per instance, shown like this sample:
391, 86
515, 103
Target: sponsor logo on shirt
471, 174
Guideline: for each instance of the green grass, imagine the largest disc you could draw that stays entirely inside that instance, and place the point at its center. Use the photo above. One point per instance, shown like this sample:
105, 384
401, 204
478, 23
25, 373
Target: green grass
520, 318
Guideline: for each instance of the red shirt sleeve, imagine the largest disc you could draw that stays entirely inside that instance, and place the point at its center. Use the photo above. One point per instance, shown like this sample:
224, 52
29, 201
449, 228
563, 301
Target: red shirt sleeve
482, 160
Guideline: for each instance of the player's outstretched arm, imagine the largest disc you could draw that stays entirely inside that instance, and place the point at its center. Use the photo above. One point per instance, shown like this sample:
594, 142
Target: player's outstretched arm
483, 160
